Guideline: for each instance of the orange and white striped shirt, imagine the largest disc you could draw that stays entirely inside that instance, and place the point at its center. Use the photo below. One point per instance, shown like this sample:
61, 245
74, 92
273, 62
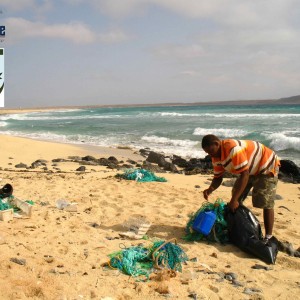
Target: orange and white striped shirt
240, 155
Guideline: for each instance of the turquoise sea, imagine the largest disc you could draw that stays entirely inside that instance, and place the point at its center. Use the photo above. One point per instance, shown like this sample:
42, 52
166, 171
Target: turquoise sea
169, 129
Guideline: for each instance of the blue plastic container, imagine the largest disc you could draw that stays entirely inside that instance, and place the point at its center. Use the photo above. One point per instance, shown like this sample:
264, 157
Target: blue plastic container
204, 222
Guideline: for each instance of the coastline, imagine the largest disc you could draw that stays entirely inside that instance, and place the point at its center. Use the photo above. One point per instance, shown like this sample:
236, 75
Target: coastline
294, 100
81, 241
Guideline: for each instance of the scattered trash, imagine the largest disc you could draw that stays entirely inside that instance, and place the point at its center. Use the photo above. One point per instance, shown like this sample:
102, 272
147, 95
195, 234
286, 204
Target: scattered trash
26, 207
138, 228
11, 206
6, 215
19, 261
65, 205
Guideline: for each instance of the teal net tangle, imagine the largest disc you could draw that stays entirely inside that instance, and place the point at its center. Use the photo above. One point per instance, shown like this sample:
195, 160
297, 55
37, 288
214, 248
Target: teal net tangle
4, 205
133, 261
219, 232
140, 175
141, 261
168, 255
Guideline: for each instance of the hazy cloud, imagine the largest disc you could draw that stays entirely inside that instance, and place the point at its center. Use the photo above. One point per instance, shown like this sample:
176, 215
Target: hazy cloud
114, 36
76, 32
179, 51
18, 5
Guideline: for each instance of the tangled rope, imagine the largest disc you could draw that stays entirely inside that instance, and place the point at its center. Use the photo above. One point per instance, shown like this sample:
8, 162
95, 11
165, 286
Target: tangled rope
139, 260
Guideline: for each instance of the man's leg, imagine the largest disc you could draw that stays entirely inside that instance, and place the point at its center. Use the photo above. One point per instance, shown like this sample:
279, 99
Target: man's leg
268, 221
264, 192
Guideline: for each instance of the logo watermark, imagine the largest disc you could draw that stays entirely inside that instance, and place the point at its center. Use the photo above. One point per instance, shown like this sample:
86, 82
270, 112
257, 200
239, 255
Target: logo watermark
1, 77
2, 33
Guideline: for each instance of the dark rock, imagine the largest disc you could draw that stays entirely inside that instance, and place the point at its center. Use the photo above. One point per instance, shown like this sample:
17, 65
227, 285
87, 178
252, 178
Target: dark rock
156, 158
81, 169
228, 277
107, 163
160, 160
59, 160
38, 163
95, 225
221, 274
74, 158
130, 161
169, 167
237, 283
144, 152
286, 247
261, 267
88, 163
297, 253
197, 186
278, 197
89, 158
153, 168
103, 162
180, 162
196, 170
251, 291
21, 165
127, 166
232, 275
113, 160
289, 171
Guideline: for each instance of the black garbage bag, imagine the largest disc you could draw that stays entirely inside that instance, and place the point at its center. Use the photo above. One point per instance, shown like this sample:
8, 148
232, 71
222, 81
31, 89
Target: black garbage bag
244, 231
6, 191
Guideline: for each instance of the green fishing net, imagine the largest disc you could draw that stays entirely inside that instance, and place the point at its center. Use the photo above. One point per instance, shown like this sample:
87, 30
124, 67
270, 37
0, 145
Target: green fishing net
219, 231
140, 175
4, 204
140, 260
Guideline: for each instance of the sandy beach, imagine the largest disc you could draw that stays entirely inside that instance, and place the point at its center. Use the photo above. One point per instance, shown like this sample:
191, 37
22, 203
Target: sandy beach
80, 242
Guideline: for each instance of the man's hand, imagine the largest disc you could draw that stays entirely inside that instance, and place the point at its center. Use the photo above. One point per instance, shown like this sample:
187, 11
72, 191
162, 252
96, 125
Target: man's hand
216, 182
233, 205
207, 192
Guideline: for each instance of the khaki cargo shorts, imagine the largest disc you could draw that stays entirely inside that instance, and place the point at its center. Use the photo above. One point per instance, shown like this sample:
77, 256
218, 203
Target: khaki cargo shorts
264, 190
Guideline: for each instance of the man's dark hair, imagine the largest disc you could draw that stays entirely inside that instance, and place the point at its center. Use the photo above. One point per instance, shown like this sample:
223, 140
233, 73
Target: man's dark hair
208, 140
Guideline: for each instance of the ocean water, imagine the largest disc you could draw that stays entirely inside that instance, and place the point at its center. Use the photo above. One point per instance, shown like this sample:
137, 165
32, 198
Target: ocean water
168, 129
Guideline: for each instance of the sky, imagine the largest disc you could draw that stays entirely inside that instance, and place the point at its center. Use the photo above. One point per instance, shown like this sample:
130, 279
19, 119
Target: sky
99, 52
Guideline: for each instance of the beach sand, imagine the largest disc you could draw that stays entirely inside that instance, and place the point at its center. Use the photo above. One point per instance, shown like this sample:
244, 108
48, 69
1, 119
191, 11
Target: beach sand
80, 242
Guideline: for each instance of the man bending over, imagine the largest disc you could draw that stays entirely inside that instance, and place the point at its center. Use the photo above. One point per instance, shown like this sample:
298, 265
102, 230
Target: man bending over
257, 167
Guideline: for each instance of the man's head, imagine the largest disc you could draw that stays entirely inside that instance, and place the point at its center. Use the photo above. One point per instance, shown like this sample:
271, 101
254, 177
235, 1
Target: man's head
211, 145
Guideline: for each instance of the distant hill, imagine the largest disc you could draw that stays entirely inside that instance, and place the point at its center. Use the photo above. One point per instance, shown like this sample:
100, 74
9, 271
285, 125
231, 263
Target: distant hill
294, 100
282, 101
289, 100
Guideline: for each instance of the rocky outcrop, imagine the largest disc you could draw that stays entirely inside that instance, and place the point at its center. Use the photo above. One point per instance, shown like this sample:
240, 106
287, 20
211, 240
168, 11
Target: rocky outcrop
161, 161
289, 171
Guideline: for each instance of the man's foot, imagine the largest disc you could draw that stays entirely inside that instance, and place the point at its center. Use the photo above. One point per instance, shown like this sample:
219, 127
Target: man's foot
267, 238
